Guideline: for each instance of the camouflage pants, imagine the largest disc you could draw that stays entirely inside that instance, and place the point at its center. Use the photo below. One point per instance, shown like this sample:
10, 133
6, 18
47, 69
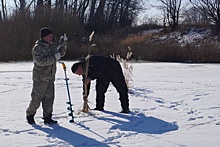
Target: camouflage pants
42, 92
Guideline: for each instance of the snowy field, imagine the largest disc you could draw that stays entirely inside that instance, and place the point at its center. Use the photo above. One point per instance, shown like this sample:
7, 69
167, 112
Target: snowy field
172, 105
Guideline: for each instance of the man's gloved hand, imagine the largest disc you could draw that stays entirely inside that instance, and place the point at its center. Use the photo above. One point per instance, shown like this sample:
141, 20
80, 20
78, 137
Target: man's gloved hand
57, 56
63, 39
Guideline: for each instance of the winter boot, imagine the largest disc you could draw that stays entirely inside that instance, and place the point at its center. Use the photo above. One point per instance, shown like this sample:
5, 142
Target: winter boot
99, 109
49, 120
30, 119
125, 110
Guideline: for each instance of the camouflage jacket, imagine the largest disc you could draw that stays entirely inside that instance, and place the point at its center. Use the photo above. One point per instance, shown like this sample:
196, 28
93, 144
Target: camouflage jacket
44, 60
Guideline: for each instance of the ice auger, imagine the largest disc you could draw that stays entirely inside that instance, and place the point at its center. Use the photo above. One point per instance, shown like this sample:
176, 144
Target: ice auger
68, 92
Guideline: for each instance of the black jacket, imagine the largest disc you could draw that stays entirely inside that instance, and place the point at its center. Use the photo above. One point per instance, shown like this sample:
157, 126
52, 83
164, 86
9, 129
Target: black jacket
101, 67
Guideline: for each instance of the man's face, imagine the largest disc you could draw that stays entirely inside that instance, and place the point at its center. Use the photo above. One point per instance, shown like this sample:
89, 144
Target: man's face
79, 70
48, 38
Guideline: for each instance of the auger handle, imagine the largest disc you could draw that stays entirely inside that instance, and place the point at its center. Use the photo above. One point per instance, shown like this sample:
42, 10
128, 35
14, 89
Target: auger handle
64, 66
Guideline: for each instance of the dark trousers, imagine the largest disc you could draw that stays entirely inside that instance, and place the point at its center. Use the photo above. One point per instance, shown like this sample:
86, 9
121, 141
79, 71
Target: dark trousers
121, 87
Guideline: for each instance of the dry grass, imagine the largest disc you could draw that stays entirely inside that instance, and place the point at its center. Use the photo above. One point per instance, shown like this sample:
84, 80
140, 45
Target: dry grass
135, 39
17, 41
127, 68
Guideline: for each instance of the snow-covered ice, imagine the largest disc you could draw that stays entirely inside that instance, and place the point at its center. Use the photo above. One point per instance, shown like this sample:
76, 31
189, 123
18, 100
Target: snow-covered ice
172, 105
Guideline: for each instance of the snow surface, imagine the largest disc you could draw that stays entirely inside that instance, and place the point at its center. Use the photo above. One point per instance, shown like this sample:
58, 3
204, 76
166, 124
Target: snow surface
172, 105
191, 36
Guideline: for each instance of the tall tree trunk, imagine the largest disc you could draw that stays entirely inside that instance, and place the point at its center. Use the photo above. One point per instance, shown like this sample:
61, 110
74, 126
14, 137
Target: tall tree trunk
172, 10
40, 3
113, 15
3, 10
22, 5
96, 21
92, 10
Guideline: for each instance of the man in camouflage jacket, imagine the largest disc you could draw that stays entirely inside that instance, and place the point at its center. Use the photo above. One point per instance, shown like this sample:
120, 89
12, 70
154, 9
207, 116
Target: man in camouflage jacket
45, 55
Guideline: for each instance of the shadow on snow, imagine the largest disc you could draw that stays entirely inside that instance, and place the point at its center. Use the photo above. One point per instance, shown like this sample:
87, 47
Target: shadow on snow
69, 136
139, 123
136, 122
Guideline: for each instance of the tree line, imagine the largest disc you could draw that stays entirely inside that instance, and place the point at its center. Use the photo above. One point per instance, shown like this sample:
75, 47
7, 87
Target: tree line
110, 19
78, 18
191, 12
96, 15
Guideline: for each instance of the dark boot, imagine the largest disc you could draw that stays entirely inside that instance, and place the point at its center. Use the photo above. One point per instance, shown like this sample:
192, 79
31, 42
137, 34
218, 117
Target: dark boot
99, 106
99, 109
125, 110
30, 119
125, 107
49, 120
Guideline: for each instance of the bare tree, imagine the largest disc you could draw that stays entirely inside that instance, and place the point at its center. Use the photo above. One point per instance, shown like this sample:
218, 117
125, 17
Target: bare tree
209, 8
194, 17
128, 12
40, 2
81, 9
96, 15
21, 5
112, 13
109, 14
3, 10
92, 10
172, 9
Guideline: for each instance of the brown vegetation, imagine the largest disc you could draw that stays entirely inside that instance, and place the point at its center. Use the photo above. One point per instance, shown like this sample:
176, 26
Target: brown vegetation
171, 51
19, 32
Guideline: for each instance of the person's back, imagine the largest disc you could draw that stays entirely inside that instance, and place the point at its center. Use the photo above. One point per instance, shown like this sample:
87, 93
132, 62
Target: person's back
102, 67
104, 70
